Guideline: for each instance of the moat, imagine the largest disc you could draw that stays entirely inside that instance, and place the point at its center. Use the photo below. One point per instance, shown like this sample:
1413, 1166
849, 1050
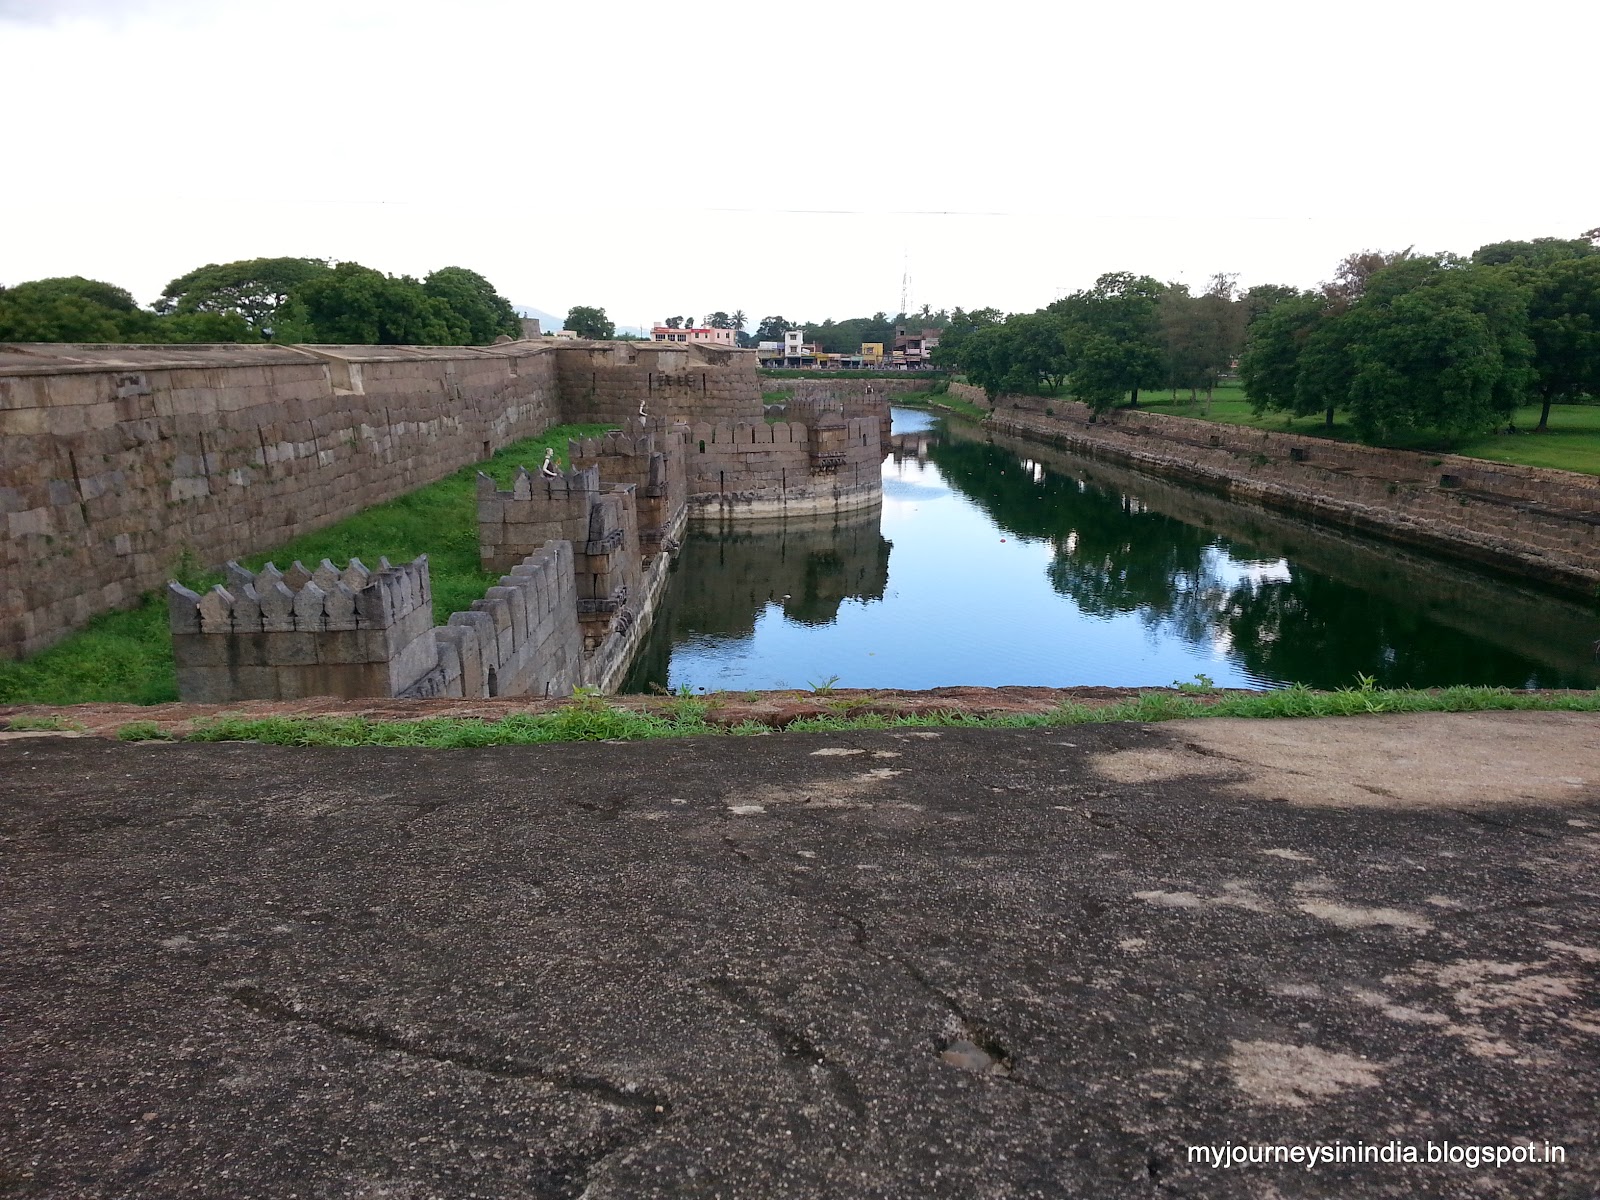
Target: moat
995, 562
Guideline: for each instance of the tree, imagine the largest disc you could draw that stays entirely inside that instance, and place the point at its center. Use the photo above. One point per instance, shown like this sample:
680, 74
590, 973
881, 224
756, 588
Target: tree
719, 320
255, 288
477, 314
1105, 369
71, 309
1437, 345
1036, 350
739, 320
1263, 297
1182, 339
1270, 366
1564, 324
985, 357
674, 323
772, 329
1539, 252
1120, 311
356, 305
203, 327
589, 322
948, 353
1349, 280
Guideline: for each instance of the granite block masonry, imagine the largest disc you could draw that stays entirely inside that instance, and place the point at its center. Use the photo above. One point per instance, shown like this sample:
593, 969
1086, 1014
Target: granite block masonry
353, 633
278, 635
117, 461
651, 458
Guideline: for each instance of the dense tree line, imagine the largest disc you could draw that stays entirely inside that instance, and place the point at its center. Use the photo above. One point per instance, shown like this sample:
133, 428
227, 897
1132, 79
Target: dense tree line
1447, 344
278, 299
1434, 342
1126, 334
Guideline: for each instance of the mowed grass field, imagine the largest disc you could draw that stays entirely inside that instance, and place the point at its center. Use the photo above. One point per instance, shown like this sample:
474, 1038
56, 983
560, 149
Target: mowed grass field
1572, 443
126, 657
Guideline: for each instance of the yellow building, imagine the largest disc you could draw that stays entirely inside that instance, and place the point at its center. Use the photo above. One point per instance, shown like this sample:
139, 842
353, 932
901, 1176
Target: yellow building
872, 354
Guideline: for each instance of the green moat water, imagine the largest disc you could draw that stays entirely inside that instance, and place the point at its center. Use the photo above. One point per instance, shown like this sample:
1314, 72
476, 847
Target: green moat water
1005, 563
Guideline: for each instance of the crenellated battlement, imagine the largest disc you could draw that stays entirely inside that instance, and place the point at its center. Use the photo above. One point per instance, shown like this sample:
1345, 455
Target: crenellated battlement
514, 522
520, 638
283, 635
786, 467
651, 459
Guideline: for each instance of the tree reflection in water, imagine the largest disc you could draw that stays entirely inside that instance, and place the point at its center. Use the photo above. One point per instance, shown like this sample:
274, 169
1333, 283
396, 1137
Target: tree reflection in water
1358, 608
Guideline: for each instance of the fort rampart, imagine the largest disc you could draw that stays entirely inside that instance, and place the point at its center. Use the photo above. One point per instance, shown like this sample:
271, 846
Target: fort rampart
117, 461
783, 468
607, 381
582, 555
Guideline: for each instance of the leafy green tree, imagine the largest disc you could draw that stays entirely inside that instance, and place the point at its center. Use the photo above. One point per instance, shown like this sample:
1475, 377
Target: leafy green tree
1539, 252
948, 353
203, 327
1437, 345
1349, 282
255, 288
772, 329
1270, 365
985, 358
1113, 335
1036, 350
719, 320
1263, 297
355, 305
589, 322
477, 314
673, 323
1564, 324
1104, 369
71, 309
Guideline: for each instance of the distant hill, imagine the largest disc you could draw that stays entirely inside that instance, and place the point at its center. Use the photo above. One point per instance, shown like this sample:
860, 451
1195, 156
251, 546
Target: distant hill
548, 323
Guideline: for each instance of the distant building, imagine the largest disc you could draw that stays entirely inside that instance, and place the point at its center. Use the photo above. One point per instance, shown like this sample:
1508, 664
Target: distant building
913, 351
704, 336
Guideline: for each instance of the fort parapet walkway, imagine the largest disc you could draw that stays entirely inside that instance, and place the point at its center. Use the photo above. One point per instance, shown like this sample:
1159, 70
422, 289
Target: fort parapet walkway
902, 964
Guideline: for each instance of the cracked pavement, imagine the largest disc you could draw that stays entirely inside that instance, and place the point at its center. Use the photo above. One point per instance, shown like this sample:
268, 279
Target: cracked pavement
914, 963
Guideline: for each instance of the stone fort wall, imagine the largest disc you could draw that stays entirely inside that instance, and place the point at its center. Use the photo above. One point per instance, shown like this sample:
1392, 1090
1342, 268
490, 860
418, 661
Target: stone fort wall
783, 468
607, 381
117, 460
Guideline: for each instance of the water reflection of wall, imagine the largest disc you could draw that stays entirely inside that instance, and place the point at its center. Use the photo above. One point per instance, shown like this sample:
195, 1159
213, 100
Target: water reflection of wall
1291, 600
726, 576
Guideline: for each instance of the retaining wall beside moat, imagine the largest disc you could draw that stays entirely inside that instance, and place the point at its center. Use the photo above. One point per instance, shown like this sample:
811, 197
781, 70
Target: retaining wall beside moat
1537, 523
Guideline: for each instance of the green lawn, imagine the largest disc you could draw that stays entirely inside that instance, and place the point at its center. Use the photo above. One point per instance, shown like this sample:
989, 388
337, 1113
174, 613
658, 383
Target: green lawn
1572, 443
944, 400
127, 656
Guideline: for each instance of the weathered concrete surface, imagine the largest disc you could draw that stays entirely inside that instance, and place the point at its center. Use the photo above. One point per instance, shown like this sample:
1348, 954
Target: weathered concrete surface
977, 964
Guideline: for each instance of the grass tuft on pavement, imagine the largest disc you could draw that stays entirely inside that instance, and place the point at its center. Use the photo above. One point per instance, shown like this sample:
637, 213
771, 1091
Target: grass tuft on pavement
591, 718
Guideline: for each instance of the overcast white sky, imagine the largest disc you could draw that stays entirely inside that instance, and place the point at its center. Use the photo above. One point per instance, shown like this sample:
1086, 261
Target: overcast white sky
660, 158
